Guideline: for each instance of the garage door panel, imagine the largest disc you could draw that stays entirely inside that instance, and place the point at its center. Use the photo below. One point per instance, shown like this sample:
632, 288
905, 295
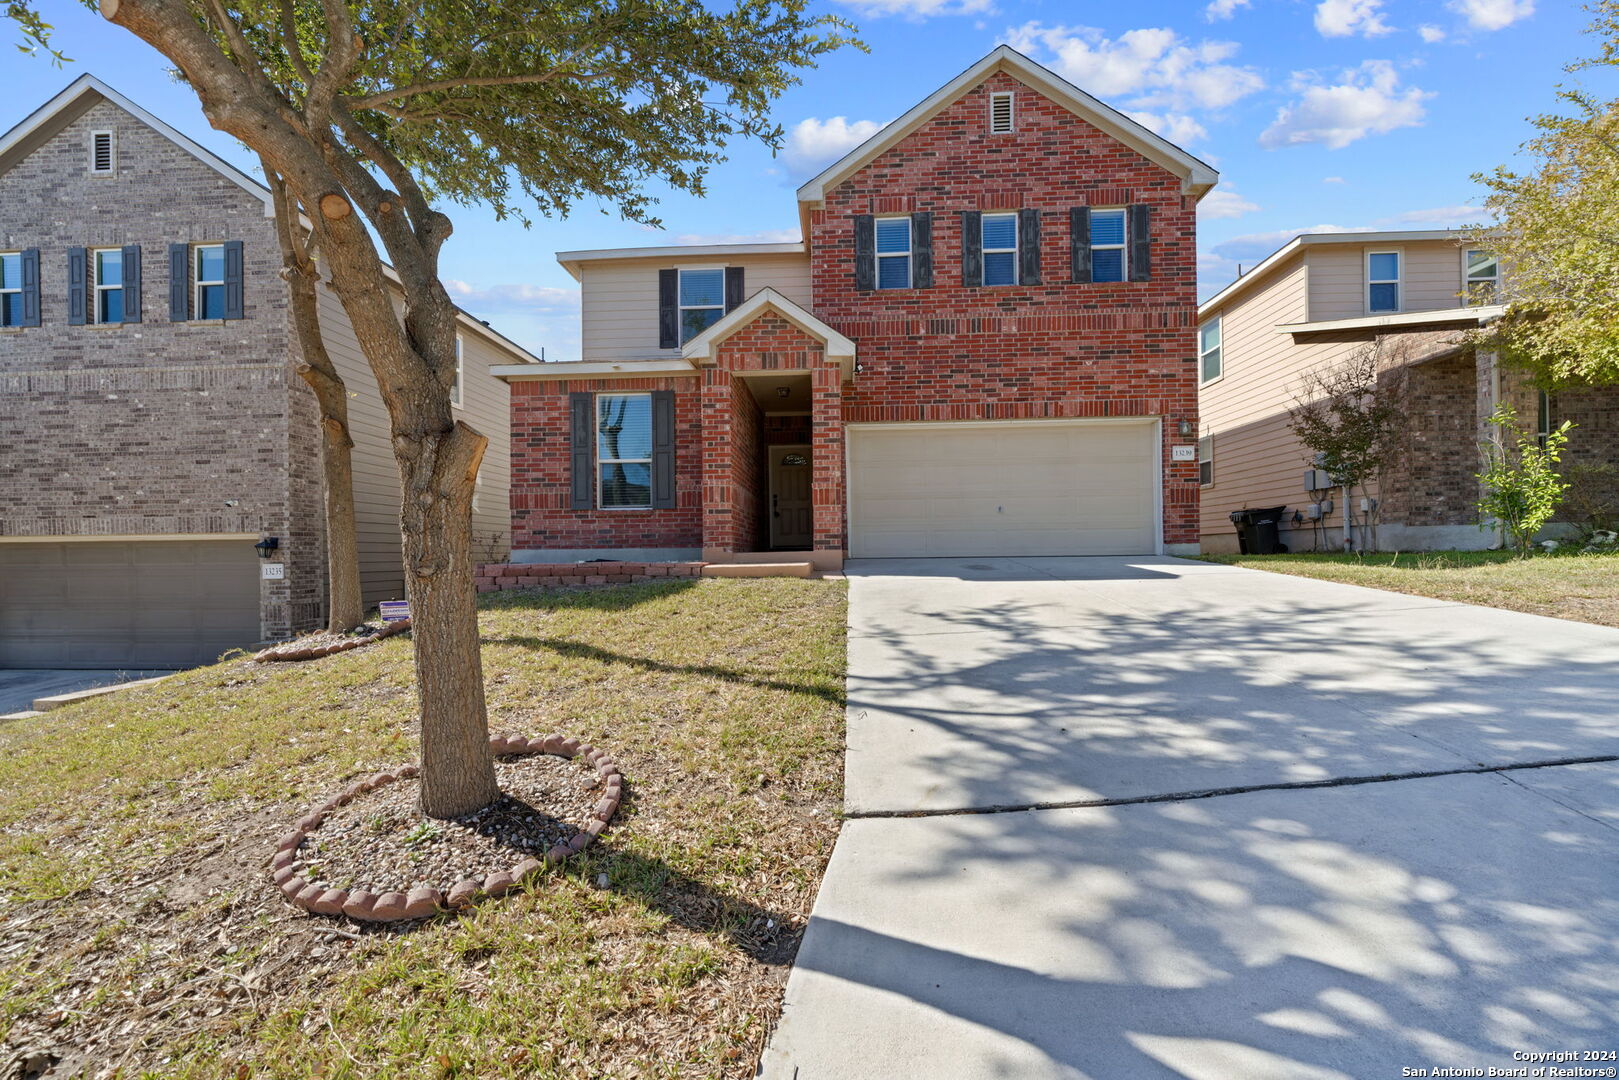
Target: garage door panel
1030, 488
133, 604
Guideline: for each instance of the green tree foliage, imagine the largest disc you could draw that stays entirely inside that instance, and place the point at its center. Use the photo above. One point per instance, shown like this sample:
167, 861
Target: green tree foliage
1522, 486
1557, 233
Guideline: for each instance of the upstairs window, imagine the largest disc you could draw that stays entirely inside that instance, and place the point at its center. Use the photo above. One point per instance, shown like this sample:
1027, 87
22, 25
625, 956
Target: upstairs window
107, 285
1543, 417
1205, 461
1382, 282
1483, 276
455, 387
999, 233
208, 263
1000, 113
1107, 245
102, 160
624, 451
893, 253
1210, 364
11, 288
702, 301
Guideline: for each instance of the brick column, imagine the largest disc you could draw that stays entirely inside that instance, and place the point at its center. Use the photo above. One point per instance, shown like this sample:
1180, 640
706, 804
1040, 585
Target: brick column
719, 493
826, 438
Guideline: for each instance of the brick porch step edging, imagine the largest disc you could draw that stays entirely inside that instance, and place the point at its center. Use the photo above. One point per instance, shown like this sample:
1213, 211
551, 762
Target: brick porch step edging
425, 901
496, 577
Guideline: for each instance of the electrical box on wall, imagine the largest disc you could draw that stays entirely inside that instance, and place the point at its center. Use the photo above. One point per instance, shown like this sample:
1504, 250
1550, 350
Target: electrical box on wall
1317, 480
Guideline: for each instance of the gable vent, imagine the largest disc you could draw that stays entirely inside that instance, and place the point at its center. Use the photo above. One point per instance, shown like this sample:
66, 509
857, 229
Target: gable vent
101, 161
1000, 113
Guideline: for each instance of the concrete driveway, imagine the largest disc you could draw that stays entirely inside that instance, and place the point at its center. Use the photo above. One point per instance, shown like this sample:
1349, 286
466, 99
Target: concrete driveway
19, 687
1133, 818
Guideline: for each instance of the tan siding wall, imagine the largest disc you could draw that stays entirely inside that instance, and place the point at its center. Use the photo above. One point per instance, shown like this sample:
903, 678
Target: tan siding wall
1257, 461
376, 473
619, 299
1432, 277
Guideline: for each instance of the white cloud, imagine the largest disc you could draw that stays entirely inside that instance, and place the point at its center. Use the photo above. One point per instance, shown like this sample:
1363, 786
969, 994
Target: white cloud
1346, 18
1176, 127
1492, 14
1223, 9
1224, 202
814, 143
920, 9
508, 298
1333, 180
1367, 101
1155, 68
764, 236
1431, 33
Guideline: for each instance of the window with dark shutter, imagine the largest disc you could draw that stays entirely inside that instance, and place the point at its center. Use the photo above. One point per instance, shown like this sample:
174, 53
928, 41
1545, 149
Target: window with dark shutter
922, 250
865, 252
663, 449
235, 272
1079, 244
972, 249
132, 283
179, 283
1140, 242
78, 286
668, 309
581, 451
19, 288
734, 285
1028, 247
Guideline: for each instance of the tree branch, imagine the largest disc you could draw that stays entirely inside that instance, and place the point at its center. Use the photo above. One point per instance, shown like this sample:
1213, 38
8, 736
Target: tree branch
372, 101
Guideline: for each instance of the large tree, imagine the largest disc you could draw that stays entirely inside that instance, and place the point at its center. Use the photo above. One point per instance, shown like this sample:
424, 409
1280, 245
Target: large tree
367, 113
1557, 233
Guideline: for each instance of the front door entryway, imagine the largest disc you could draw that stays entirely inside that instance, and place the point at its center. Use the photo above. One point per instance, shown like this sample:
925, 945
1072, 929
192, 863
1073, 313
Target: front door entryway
790, 515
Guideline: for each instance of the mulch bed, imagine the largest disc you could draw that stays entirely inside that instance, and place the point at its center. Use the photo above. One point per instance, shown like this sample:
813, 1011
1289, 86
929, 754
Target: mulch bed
327, 642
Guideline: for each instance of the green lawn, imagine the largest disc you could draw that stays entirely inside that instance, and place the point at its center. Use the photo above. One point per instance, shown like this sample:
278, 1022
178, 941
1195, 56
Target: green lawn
1580, 587
138, 925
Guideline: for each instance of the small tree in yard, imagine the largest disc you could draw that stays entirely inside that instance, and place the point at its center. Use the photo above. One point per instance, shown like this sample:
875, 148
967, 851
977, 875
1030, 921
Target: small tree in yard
1351, 417
1522, 487
365, 113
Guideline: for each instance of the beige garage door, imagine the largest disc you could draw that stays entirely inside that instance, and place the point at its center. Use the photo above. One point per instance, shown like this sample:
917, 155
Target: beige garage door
126, 604
1022, 488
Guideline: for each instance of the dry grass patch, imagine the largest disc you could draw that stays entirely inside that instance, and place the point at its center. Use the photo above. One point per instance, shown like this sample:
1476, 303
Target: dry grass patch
139, 931
1580, 587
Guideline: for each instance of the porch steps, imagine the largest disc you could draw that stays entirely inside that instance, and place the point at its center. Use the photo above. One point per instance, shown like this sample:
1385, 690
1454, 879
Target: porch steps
759, 569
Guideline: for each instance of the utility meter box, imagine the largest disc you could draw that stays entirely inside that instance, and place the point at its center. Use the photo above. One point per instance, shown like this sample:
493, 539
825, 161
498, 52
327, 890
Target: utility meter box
1317, 480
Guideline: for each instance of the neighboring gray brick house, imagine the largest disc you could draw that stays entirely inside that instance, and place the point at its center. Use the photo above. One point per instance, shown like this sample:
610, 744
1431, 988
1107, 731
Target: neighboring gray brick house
153, 428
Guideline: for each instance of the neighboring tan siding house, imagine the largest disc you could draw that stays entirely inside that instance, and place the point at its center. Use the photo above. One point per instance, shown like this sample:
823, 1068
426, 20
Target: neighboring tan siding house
153, 428
985, 346
1311, 305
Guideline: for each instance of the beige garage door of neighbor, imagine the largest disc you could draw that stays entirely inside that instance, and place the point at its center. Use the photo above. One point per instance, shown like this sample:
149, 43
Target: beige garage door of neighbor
126, 604
1018, 488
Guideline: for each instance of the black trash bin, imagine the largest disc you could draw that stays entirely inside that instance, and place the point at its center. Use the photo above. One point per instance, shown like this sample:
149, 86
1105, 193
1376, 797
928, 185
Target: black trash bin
1259, 530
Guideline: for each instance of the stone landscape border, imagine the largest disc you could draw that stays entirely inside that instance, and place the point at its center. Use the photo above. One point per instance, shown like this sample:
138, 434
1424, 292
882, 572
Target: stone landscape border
280, 653
423, 902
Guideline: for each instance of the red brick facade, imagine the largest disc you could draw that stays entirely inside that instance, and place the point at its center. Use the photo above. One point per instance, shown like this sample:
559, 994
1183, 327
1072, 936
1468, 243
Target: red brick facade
948, 352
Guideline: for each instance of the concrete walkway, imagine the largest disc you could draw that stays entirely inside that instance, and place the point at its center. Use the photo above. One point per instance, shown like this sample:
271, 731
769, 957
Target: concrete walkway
1175, 884
19, 687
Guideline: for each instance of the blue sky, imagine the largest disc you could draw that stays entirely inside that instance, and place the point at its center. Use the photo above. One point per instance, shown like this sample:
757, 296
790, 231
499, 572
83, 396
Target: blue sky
1320, 114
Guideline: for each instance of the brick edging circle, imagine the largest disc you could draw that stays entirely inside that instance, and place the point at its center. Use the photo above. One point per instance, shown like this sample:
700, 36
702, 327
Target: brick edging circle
420, 903
278, 653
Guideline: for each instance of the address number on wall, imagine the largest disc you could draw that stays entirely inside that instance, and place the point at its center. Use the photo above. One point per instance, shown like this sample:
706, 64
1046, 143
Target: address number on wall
1183, 453
273, 571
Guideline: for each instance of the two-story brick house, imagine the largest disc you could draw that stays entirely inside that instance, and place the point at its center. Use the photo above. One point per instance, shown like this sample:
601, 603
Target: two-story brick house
153, 428
985, 345
1414, 295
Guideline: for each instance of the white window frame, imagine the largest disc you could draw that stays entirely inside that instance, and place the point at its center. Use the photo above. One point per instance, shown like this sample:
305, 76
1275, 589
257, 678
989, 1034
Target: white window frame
17, 291
92, 272
112, 153
456, 387
1122, 247
1205, 456
1203, 379
681, 309
984, 252
1398, 281
198, 281
1011, 112
1543, 417
595, 433
910, 250
1468, 282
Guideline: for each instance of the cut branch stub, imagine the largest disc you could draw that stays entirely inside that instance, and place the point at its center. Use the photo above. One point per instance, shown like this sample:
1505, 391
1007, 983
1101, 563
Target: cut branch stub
334, 207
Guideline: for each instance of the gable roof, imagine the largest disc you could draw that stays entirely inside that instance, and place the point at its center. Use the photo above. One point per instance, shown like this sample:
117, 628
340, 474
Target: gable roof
87, 91
1197, 176
704, 346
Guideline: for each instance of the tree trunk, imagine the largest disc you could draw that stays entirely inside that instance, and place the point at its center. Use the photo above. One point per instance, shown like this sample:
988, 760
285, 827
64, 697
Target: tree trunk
438, 474
344, 607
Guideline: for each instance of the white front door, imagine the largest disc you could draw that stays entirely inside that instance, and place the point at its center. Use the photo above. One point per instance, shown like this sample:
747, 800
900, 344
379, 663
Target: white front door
791, 517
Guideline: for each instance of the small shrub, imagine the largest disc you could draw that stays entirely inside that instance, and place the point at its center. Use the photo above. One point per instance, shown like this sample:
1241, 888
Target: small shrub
1522, 487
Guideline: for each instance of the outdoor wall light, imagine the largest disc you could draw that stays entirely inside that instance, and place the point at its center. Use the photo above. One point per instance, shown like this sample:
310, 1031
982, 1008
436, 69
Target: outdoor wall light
1185, 428
267, 545
784, 391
